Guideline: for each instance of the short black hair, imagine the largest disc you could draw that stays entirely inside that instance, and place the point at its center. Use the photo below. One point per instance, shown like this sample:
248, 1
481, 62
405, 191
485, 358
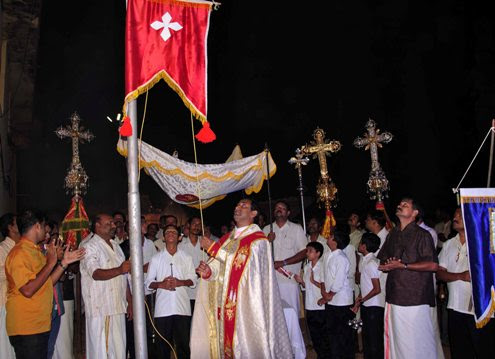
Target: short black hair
165, 216
414, 204
171, 226
193, 217
5, 221
119, 213
318, 219
317, 246
51, 224
378, 216
254, 207
152, 224
285, 203
28, 218
371, 241
96, 219
342, 239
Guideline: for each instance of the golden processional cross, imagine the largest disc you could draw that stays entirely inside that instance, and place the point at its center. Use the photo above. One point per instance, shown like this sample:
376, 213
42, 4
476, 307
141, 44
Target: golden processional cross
378, 185
76, 179
321, 148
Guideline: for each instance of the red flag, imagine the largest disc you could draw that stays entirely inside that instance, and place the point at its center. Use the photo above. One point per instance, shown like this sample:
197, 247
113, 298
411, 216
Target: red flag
166, 39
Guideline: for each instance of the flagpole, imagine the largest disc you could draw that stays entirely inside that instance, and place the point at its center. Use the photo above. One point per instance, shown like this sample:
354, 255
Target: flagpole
490, 163
135, 238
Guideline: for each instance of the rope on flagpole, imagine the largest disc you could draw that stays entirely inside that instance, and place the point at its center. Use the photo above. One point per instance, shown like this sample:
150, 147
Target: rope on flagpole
141, 136
456, 190
198, 185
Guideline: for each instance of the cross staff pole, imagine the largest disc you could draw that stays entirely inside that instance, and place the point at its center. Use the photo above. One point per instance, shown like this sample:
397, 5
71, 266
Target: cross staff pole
269, 193
299, 160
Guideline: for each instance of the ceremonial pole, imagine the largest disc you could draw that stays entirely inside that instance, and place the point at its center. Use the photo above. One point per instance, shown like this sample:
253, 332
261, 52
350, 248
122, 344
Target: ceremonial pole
135, 238
269, 194
299, 161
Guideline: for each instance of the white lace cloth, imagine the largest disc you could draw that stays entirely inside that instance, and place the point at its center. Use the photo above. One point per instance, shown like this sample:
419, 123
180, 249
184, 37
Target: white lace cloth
186, 182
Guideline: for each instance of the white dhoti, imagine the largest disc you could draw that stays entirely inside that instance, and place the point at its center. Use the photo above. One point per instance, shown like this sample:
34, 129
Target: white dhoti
105, 337
289, 292
64, 343
409, 332
6, 350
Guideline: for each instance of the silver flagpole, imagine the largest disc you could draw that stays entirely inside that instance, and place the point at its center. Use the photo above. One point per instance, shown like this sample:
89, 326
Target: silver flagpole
299, 160
134, 208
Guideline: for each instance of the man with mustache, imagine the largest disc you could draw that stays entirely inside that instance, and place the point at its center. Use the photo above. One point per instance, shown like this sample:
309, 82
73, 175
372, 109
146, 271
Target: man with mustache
104, 291
409, 257
466, 341
289, 250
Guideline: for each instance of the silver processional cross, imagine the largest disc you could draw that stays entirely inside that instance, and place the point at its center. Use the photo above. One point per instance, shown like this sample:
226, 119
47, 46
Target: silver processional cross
378, 185
76, 178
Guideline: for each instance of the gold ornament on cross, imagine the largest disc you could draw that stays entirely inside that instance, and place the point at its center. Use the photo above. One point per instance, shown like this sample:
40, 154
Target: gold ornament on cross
321, 148
378, 185
76, 180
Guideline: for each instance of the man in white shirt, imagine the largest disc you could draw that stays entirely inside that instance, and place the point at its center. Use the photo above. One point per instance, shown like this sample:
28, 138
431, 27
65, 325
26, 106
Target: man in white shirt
372, 298
191, 245
466, 341
169, 273
289, 247
375, 223
337, 294
105, 291
10, 233
314, 230
120, 221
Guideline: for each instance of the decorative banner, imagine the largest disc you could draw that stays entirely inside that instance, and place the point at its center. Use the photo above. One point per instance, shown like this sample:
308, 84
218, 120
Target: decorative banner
166, 39
478, 211
186, 182
75, 225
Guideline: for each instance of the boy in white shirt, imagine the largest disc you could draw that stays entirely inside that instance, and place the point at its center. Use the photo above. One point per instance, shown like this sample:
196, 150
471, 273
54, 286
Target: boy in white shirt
172, 306
315, 313
372, 298
337, 294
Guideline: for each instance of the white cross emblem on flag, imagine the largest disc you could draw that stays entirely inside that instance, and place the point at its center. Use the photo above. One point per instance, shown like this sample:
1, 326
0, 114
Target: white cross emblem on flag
165, 24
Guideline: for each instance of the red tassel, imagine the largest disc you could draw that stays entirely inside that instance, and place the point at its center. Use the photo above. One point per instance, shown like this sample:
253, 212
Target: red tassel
126, 129
206, 135
380, 206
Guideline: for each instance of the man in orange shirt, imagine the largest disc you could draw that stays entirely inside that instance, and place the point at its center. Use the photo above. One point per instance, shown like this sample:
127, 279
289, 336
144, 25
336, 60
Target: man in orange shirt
30, 277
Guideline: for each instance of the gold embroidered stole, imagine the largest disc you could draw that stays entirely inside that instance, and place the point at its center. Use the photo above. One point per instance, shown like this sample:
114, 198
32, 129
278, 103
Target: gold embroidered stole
230, 304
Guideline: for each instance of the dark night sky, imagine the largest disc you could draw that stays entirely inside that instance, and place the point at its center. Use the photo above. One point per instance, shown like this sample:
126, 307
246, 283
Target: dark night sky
423, 70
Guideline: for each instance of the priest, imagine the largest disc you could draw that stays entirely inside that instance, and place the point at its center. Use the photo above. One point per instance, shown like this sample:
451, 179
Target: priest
238, 312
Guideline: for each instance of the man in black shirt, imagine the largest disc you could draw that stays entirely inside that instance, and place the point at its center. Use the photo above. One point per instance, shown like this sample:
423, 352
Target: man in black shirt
409, 257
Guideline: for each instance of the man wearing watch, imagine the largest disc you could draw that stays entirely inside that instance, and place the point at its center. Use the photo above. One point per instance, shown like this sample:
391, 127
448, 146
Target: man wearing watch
409, 257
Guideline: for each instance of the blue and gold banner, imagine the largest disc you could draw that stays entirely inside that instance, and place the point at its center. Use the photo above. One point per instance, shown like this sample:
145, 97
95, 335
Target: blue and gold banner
478, 211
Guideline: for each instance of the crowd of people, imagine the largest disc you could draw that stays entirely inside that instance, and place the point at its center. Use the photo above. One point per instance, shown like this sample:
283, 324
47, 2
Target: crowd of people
211, 296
